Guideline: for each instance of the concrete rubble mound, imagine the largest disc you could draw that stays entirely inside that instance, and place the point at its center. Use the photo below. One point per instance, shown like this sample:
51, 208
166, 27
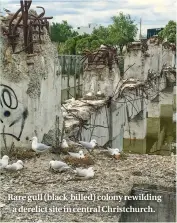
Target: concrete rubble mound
79, 111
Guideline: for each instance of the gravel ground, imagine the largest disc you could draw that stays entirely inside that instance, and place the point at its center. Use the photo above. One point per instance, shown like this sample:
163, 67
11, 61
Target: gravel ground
113, 177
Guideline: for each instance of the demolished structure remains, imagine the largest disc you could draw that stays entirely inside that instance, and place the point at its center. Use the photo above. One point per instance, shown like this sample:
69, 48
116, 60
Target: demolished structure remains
129, 96
30, 78
30, 22
113, 109
109, 101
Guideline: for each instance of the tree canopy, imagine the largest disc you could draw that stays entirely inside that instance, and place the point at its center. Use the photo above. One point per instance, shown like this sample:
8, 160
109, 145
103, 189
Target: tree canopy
169, 32
123, 30
102, 34
60, 32
119, 33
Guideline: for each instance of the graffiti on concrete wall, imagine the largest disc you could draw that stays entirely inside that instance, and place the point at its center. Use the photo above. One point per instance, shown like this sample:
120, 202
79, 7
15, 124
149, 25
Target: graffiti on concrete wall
11, 112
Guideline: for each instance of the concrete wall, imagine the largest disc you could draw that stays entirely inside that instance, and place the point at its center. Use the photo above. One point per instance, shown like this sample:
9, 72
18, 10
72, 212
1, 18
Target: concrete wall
160, 118
153, 109
71, 81
157, 145
100, 78
174, 105
119, 122
133, 57
30, 93
72, 69
130, 135
87, 29
64, 91
151, 60
174, 60
124, 134
101, 134
138, 135
166, 104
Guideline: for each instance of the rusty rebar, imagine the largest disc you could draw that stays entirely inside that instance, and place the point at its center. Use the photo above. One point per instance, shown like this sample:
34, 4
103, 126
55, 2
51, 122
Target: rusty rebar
42, 13
102, 56
29, 24
20, 19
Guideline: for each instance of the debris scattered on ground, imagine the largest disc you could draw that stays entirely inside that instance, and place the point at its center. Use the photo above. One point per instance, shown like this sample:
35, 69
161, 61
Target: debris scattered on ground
112, 177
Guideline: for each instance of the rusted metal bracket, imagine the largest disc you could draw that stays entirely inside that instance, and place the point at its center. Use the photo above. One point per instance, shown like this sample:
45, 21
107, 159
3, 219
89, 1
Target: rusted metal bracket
105, 56
31, 24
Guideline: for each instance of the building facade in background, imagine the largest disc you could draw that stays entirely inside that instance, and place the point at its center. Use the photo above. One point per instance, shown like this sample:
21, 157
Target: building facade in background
152, 32
87, 29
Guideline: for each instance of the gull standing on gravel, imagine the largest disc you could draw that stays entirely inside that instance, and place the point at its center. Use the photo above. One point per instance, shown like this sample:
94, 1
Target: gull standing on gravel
103, 46
70, 100
99, 93
58, 165
64, 144
89, 145
79, 155
89, 94
15, 166
85, 173
4, 161
64, 113
113, 152
39, 147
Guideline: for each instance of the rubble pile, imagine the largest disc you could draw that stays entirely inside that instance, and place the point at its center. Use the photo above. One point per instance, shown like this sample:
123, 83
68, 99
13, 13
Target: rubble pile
78, 111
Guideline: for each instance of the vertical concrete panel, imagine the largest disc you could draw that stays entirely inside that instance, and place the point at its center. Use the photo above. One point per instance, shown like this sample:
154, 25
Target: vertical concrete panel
101, 134
37, 89
119, 119
133, 57
118, 141
167, 56
147, 63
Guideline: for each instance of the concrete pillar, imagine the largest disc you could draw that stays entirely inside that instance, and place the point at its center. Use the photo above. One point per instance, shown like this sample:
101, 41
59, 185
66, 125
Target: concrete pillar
30, 90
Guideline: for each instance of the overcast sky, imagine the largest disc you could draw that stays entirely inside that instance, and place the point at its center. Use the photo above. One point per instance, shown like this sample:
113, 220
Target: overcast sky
154, 13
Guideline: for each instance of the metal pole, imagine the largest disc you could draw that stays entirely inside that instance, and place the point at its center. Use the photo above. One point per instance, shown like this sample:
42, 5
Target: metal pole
140, 29
74, 76
68, 73
110, 124
24, 7
79, 73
